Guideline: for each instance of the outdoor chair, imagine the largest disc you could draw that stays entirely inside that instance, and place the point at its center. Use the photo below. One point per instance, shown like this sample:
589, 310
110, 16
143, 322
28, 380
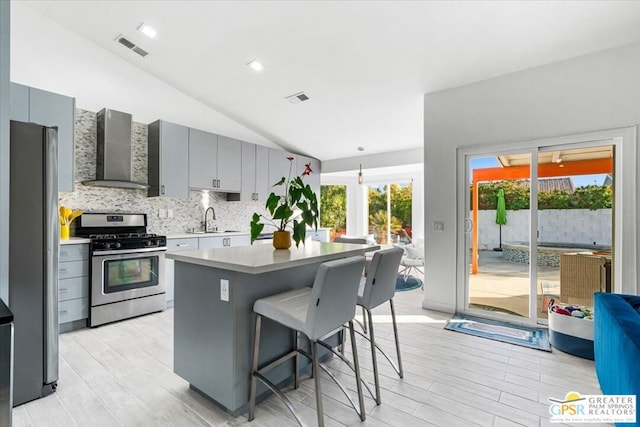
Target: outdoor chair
413, 259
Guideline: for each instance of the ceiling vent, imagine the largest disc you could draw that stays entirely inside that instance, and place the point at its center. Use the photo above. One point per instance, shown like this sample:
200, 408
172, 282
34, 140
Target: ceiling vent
297, 98
131, 46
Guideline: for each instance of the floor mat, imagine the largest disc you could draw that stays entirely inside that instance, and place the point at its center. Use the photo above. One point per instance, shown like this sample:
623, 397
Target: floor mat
525, 336
407, 285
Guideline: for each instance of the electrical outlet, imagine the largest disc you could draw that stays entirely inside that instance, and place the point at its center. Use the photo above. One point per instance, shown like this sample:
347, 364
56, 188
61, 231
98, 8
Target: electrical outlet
162, 213
169, 213
224, 290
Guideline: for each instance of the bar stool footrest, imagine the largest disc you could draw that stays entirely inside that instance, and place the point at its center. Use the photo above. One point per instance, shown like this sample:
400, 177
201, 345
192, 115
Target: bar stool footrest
281, 395
391, 362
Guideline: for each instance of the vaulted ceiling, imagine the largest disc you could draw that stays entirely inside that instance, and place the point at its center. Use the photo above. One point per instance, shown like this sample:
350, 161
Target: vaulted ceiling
364, 65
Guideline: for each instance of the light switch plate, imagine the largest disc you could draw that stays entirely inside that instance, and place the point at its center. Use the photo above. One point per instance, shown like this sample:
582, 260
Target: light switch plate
224, 290
438, 226
169, 213
162, 213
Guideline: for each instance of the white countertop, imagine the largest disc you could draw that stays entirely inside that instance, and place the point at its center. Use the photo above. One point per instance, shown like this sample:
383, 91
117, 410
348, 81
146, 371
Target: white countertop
75, 241
199, 235
187, 235
258, 259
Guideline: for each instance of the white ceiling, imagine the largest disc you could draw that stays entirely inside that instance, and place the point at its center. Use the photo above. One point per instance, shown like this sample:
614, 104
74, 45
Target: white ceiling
365, 65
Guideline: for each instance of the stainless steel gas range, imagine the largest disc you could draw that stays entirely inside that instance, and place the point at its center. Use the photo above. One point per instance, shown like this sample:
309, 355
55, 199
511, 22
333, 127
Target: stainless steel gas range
127, 266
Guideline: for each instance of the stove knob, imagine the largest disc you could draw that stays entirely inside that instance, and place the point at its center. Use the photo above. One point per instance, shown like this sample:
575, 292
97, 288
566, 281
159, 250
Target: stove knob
117, 245
106, 245
147, 243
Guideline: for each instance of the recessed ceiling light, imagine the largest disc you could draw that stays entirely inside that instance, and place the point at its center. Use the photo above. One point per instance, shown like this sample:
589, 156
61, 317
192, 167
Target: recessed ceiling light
147, 30
257, 66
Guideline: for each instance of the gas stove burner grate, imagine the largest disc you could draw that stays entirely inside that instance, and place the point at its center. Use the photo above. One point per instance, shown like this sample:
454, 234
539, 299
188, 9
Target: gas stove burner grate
121, 236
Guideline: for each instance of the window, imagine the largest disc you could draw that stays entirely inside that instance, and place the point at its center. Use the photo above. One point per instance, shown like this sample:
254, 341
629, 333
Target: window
333, 209
390, 207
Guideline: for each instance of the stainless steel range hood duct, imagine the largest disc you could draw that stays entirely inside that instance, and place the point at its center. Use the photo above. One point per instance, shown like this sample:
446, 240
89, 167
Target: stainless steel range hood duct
113, 160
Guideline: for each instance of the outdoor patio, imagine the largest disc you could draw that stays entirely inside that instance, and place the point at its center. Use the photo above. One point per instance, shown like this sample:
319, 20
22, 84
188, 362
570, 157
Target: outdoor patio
503, 286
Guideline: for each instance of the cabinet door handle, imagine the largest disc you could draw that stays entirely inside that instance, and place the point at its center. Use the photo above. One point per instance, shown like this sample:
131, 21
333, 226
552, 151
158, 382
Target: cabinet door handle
62, 270
63, 290
213, 183
62, 312
182, 245
64, 253
162, 189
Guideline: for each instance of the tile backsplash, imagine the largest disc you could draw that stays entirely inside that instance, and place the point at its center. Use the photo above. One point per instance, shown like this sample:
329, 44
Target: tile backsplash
187, 213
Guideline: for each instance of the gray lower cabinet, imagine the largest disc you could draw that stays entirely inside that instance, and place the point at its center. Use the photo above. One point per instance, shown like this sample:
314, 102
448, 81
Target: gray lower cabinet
176, 245
168, 160
224, 241
28, 104
192, 244
73, 286
255, 173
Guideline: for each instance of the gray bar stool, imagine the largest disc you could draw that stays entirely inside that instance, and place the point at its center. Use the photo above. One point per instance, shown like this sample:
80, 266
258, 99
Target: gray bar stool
378, 287
317, 312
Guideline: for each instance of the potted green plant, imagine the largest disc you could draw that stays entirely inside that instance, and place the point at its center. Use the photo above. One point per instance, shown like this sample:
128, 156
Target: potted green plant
293, 211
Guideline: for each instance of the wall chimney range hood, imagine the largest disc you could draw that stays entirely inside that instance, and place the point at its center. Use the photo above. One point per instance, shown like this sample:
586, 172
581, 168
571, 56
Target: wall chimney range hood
113, 159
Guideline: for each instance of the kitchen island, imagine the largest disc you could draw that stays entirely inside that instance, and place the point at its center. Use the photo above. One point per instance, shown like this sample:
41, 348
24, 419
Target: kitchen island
214, 294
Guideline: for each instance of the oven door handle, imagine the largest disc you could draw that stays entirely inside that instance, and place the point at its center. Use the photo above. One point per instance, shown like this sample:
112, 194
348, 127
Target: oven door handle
130, 251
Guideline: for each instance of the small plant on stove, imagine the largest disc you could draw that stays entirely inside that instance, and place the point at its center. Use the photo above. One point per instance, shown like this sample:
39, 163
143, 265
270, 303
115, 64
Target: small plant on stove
294, 211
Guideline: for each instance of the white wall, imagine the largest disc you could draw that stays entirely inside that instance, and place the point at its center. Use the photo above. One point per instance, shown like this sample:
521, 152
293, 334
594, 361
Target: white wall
587, 93
4, 148
56, 59
375, 160
582, 226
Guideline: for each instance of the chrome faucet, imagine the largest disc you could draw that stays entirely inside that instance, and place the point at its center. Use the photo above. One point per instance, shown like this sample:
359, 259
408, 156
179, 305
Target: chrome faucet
206, 214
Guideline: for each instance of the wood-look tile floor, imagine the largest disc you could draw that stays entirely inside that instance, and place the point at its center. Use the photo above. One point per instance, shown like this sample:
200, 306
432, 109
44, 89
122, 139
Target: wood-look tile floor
121, 375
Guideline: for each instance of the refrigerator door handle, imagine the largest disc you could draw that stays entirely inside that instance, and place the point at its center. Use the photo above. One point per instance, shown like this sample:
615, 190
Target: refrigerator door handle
52, 236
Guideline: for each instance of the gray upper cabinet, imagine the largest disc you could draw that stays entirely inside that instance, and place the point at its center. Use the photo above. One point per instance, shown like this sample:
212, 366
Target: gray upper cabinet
168, 160
203, 153
255, 172
229, 164
279, 167
215, 162
49, 109
314, 179
19, 102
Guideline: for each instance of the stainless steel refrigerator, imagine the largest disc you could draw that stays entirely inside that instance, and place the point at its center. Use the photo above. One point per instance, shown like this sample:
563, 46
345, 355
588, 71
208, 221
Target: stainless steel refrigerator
33, 259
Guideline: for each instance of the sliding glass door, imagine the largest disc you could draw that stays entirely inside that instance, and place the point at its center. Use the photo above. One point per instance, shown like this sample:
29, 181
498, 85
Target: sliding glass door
530, 241
498, 235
